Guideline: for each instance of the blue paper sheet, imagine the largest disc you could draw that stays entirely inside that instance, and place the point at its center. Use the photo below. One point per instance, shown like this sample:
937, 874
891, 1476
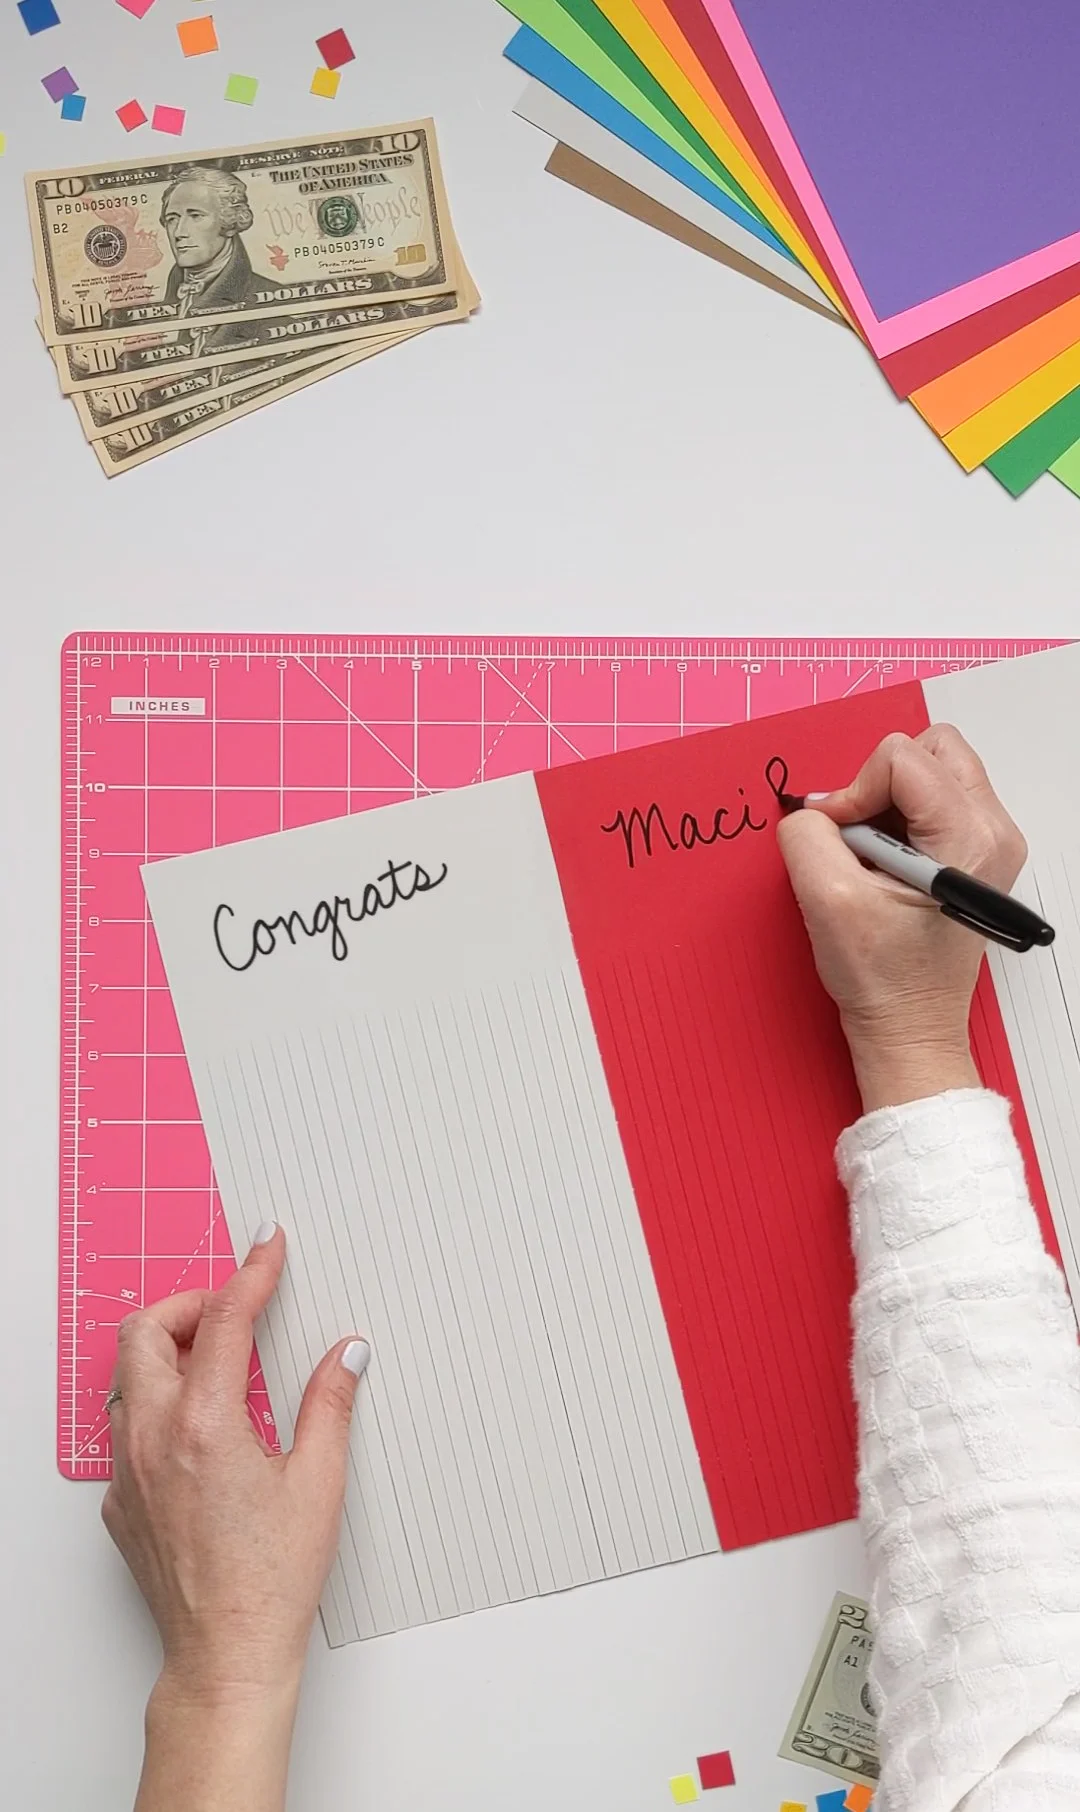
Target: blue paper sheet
537, 58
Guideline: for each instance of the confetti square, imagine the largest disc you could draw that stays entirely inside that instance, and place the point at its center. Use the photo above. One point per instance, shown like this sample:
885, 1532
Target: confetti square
242, 88
859, 1799
716, 1770
169, 119
683, 1789
325, 82
60, 83
197, 36
138, 8
131, 115
793, 1805
73, 106
832, 1802
3, 143
38, 15
335, 49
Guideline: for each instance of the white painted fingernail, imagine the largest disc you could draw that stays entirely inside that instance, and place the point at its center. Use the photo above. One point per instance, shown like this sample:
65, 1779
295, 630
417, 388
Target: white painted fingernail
265, 1233
355, 1357
815, 798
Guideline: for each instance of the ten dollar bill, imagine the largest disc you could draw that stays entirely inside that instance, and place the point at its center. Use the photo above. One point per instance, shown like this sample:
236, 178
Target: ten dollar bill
102, 412
92, 363
235, 235
139, 441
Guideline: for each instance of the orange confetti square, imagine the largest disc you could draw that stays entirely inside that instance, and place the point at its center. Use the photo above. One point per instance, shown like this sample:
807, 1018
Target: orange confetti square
197, 36
859, 1799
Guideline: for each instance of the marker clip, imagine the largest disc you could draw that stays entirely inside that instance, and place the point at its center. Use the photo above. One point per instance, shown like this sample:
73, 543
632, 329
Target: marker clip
1012, 940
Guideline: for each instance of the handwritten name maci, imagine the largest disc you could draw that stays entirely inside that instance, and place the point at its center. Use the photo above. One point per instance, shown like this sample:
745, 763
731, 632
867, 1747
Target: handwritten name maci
399, 881
645, 829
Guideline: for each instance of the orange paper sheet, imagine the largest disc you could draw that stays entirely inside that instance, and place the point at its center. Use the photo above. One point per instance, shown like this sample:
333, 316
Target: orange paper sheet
962, 392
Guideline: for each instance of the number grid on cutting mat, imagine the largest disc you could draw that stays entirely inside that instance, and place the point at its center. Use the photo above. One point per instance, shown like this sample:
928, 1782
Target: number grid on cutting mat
173, 743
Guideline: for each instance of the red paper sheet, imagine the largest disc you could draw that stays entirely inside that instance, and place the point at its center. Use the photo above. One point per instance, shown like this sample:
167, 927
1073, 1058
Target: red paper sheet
926, 359
731, 1083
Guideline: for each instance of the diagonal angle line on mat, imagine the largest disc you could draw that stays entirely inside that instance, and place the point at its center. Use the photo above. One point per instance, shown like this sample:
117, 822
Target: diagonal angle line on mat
544, 719
350, 713
486, 754
857, 682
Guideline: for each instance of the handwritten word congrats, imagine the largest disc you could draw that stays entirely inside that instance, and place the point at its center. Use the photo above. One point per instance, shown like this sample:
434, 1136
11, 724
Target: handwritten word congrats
399, 881
643, 828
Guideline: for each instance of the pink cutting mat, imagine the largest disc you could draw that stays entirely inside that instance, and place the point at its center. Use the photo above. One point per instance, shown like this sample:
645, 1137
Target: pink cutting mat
174, 743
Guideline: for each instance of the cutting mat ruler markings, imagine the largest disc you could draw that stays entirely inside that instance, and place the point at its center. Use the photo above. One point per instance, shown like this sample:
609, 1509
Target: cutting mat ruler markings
174, 743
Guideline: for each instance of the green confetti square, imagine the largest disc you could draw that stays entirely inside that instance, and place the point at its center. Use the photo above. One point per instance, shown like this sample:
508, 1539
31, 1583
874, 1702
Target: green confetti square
242, 88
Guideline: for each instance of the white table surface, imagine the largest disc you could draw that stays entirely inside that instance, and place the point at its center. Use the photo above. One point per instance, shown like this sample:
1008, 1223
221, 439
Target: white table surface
629, 440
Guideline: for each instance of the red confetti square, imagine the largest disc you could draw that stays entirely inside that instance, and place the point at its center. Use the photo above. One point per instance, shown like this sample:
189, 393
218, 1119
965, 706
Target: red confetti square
335, 49
716, 1770
131, 115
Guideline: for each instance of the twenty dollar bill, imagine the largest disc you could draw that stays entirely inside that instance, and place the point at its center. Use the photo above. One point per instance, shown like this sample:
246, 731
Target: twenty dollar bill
833, 1725
233, 237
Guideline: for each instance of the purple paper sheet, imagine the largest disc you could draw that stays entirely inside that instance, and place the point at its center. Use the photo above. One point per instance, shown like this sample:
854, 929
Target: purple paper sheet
941, 134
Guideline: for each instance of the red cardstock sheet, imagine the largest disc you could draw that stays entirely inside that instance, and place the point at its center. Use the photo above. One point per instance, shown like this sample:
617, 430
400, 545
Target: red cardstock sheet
731, 1083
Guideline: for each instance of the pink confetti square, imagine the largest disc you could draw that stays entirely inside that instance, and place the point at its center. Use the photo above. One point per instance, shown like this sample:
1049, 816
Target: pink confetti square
137, 8
169, 119
131, 115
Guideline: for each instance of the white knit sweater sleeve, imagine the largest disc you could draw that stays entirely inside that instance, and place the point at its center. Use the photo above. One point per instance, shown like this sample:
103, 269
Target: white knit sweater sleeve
967, 1378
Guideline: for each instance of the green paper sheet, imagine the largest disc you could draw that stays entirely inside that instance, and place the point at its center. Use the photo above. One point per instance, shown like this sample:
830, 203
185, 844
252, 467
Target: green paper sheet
613, 45
1067, 469
1034, 450
556, 24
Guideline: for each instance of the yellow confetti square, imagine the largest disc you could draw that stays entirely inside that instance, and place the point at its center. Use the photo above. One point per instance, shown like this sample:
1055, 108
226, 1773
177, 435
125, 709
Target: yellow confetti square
793, 1805
683, 1789
326, 82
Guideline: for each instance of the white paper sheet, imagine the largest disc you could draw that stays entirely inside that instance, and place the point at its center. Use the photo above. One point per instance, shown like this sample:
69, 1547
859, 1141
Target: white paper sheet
442, 1151
1021, 716
548, 111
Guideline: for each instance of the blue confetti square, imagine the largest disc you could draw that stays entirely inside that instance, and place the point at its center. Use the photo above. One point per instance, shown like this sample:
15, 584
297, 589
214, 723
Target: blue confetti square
38, 15
832, 1802
73, 106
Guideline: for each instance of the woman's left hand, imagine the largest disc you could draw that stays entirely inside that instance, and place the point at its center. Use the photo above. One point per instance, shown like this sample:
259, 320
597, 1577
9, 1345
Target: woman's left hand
229, 1543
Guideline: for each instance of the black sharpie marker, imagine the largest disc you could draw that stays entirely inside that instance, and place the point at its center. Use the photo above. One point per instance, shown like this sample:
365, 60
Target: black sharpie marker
961, 897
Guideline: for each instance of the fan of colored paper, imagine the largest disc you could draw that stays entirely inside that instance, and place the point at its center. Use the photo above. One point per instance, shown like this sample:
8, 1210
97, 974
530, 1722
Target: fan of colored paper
901, 167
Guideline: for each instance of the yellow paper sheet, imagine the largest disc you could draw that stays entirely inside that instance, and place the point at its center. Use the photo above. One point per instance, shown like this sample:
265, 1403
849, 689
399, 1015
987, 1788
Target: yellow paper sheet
959, 394
975, 440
